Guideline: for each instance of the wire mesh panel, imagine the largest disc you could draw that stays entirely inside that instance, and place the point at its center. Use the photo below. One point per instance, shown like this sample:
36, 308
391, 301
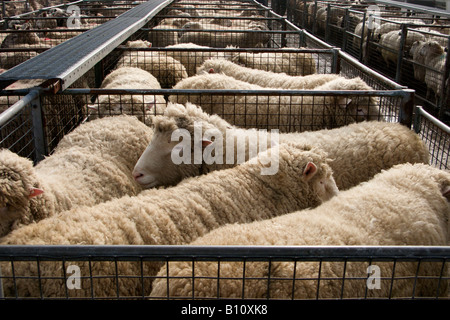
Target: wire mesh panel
131, 272
436, 135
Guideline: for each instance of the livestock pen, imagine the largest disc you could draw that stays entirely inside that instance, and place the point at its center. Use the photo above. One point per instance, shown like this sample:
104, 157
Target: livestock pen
35, 119
361, 30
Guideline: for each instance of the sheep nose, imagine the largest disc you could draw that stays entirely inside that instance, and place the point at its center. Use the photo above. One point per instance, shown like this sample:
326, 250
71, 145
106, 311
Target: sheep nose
137, 175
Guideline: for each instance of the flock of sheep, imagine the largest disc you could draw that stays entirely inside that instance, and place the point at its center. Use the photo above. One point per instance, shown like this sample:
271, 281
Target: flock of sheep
112, 181
425, 43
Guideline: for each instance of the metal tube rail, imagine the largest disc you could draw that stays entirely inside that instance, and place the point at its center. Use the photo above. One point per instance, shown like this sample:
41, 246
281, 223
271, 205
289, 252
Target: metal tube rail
68, 61
6, 115
420, 112
229, 253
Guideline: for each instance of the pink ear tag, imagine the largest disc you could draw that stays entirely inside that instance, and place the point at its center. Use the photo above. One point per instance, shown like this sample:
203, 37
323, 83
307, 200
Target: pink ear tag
35, 192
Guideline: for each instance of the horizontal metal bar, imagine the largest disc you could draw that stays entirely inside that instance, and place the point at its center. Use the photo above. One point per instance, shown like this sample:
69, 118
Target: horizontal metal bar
309, 253
252, 50
442, 126
17, 107
415, 7
277, 92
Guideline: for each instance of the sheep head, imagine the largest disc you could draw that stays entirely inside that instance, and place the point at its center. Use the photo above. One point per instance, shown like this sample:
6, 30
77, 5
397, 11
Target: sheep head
301, 169
155, 166
18, 186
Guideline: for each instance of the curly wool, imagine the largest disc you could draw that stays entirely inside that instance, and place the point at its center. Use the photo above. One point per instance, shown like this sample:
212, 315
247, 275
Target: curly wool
262, 78
172, 216
358, 151
92, 164
283, 112
139, 105
291, 63
406, 205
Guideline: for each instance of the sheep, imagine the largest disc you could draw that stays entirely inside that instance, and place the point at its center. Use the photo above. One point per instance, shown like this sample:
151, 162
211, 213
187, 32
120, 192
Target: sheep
92, 164
358, 151
253, 39
281, 111
406, 205
173, 216
264, 78
137, 104
9, 60
417, 53
163, 36
291, 63
166, 69
193, 59
16, 38
390, 44
435, 59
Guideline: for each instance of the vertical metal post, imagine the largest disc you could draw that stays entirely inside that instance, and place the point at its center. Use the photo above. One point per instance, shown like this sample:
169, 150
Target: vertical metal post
444, 95
407, 108
417, 119
398, 72
327, 24
38, 129
336, 62
2, 294
345, 29
361, 42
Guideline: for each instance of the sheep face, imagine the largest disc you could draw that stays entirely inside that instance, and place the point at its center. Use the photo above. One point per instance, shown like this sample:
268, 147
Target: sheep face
303, 170
18, 184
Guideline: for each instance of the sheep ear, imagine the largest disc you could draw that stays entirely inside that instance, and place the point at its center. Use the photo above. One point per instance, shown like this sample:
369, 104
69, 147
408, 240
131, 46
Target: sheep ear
92, 106
206, 142
211, 70
150, 106
310, 171
446, 193
343, 102
35, 192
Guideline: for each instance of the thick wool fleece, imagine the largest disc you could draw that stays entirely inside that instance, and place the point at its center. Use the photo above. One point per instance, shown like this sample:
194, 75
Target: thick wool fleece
284, 112
406, 205
172, 216
92, 164
166, 69
139, 105
358, 151
263, 78
291, 63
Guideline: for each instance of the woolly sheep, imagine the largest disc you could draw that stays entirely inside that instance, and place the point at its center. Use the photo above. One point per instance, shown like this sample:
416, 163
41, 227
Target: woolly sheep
193, 59
264, 78
172, 216
281, 111
137, 104
15, 38
92, 164
406, 205
221, 39
435, 58
391, 42
291, 63
163, 36
164, 68
358, 151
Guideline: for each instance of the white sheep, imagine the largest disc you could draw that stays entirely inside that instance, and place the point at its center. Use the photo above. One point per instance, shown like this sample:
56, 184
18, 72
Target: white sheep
164, 68
163, 35
406, 205
435, 59
92, 164
172, 216
358, 151
291, 63
254, 38
262, 78
18, 38
390, 44
135, 104
193, 59
285, 112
